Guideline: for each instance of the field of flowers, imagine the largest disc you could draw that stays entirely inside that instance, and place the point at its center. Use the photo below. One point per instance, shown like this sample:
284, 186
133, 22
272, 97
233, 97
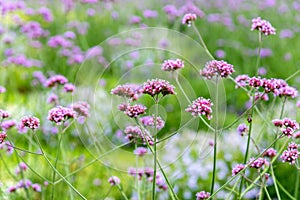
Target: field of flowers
185, 99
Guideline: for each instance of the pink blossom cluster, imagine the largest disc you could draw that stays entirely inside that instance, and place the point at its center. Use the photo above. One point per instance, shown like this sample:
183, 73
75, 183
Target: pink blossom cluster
189, 18
21, 167
69, 87
8, 124
59, 114
150, 121
156, 86
134, 110
263, 26
288, 126
2, 136
291, 154
148, 173
81, 108
277, 86
4, 114
217, 68
128, 90
135, 133
56, 79
237, 169
201, 106
114, 180
242, 129
140, 151
258, 163
271, 152
30, 122
172, 65
202, 195
25, 184
33, 30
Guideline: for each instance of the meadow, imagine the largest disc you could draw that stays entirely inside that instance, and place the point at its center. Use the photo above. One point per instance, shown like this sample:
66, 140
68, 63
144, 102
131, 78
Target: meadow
141, 100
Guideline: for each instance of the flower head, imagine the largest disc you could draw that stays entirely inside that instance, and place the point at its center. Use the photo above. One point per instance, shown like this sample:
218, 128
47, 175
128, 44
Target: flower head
135, 110
237, 169
263, 26
270, 153
189, 18
128, 90
202, 195
258, 163
291, 154
4, 114
56, 79
140, 151
201, 106
30, 122
114, 180
217, 68
2, 136
150, 121
59, 114
242, 129
172, 65
156, 86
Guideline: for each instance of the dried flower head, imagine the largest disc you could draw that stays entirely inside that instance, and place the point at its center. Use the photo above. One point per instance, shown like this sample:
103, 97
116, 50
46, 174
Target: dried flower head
201, 106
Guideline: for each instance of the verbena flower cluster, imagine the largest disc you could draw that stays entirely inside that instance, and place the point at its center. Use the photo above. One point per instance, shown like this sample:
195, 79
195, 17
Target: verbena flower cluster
189, 18
217, 68
128, 90
157, 86
237, 169
30, 122
60, 114
135, 133
202, 195
172, 65
263, 26
291, 154
258, 163
150, 121
288, 126
276, 86
135, 110
201, 106
114, 180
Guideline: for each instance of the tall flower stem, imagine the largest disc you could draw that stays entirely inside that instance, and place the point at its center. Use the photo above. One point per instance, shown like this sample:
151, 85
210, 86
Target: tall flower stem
215, 136
155, 148
202, 42
259, 51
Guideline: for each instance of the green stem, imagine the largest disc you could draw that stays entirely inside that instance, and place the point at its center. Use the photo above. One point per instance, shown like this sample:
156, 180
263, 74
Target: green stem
202, 42
55, 164
155, 150
275, 182
286, 192
267, 193
259, 50
296, 192
22, 176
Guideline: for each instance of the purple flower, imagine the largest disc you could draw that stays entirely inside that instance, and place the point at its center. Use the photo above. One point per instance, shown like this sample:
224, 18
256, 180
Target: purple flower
189, 18
291, 154
201, 106
56, 79
140, 151
242, 129
2, 89
150, 14
135, 20
81, 108
220, 54
4, 114
46, 13
270, 153
135, 110
150, 121
59, 114
237, 169
286, 33
114, 180
258, 163
202, 195
255, 82
172, 65
288, 126
2, 136
68, 87
128, 90
69, 35
217, 68
30, 122
242, 80
8, 124
156, 86
52, 99
36, 187
263, 26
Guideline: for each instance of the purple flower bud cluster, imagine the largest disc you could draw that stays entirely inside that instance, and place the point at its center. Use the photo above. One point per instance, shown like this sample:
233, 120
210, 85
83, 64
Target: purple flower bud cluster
217, 68
30, 122
172, 65
237, 169
148, 173
150, 121
291, 154
4, 114
59, 114
156, 86
114, 180
189, 18
81, 108
201, 106
25, 184
135, 110
288, 126
56, 79
33, 30
242, 129
258, 163
140, 151
68, 87
135, 133
128, 90
271, 152
263, 26
22, 60
8, 124
2, 136
277, 86
202, 195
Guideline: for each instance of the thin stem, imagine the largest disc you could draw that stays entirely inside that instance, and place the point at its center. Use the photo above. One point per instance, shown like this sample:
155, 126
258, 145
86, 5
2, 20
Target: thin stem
259, 50
267, 193
202, 42
55, 163
24, 150
22, 176
275, 182
296, 192
122, 191
286, 192
137, 182
155, 150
